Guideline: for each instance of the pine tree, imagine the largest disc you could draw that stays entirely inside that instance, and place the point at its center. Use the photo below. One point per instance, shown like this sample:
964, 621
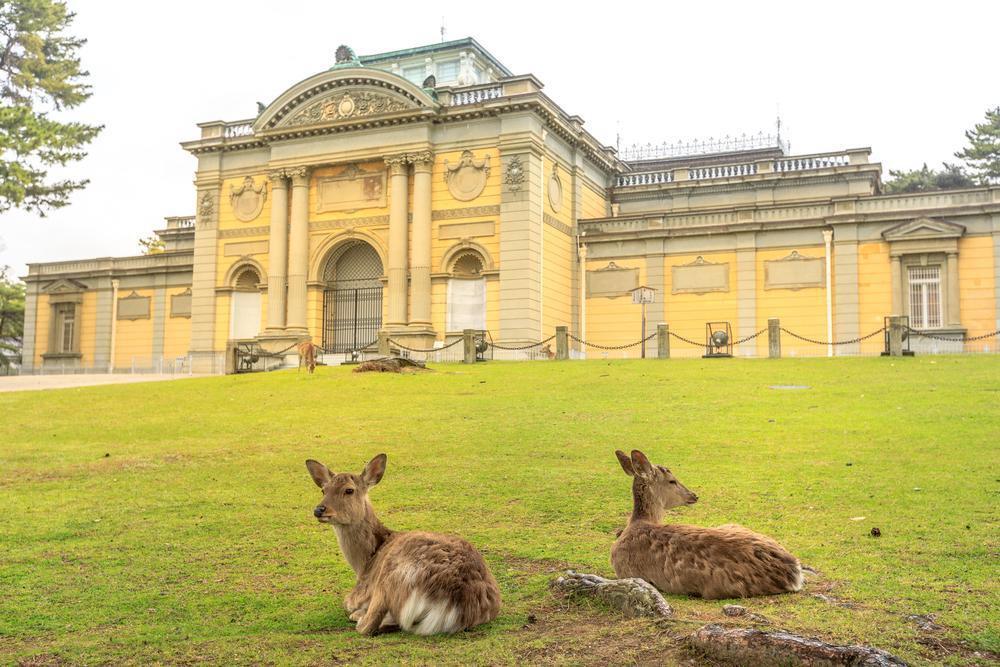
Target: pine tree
11, 321
983, 153
39, 73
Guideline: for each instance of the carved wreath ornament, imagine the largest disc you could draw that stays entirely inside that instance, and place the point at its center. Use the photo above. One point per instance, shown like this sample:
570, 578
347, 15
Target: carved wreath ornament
348, 105
467, 179
247, 200
514, 176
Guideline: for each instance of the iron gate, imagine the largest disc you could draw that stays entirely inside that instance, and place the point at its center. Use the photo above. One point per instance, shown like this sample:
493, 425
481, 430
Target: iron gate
351, 318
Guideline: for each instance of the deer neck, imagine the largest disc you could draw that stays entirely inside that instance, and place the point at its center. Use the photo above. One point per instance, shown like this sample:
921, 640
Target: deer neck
361, 541
644, 506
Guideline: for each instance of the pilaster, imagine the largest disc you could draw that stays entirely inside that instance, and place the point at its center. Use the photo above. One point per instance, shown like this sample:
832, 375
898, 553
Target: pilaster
520, 245
277, 258
398, 240
953, 315
897, 284
298, 251
420, 262
30, 321
746, 292
203, 279
656, 312
159, 318
846, 300
102, 326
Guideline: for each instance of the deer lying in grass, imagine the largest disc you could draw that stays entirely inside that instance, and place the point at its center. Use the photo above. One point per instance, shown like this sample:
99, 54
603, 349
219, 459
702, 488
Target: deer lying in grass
424, 583
725, 562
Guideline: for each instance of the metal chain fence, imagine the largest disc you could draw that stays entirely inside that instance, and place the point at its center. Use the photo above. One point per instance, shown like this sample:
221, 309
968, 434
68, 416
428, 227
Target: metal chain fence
834, 342
598, 346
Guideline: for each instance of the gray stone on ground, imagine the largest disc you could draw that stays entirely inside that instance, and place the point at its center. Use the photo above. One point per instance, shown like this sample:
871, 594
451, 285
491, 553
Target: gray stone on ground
634, 597
747, 646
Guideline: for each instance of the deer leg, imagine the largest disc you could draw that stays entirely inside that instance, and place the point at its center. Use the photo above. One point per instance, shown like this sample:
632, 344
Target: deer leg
378, 608
357, 599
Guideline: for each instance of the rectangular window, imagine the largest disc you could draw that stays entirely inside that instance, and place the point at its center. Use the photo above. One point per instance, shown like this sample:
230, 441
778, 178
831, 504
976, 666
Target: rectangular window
925, 297
414, 74
447, 72
65, 327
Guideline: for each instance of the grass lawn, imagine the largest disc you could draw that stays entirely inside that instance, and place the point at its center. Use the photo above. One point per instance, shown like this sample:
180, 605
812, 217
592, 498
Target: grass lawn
172, 521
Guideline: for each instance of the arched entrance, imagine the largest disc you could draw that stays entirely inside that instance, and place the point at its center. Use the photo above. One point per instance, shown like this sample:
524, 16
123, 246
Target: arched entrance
244, 319
352, 298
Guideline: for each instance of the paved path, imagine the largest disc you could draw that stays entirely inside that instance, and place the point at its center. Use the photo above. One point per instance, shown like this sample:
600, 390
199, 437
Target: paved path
36, 382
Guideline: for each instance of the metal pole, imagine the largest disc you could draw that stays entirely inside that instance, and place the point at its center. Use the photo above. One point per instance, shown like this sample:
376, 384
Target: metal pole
643, 336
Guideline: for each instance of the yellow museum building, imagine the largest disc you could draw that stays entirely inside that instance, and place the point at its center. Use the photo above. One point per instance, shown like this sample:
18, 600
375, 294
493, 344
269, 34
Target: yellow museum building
428, 191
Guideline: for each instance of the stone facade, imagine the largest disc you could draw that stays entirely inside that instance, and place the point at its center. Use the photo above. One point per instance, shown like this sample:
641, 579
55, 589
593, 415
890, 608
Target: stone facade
367, 198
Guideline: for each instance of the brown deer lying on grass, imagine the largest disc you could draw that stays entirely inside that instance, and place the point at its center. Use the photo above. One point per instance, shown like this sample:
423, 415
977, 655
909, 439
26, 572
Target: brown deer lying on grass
424, 583
725, 562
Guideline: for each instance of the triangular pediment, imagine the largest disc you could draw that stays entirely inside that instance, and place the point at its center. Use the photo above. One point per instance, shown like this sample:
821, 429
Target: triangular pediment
64, 286
343, 95
924, 228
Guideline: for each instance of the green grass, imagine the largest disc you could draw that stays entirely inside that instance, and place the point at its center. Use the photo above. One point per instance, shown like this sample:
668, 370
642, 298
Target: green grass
172, 521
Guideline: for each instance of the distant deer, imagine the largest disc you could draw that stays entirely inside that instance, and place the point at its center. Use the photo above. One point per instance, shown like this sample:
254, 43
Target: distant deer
307, 355
725, 562
425, 583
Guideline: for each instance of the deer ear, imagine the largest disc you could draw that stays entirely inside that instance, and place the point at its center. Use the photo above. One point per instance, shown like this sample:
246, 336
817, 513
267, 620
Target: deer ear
641, 465
374, 470
320, 473
625, 462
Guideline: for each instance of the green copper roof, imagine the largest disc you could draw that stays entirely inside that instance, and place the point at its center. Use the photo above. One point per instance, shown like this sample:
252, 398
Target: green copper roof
433, 48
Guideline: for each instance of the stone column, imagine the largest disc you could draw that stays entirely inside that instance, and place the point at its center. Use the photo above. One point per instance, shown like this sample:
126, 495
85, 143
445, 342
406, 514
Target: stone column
420, 262
398, 239
897, 286
953, 315
298, 251
277, 252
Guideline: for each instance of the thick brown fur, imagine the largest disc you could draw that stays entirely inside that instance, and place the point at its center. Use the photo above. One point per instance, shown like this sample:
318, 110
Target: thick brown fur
725, 562
307, 355
425, 583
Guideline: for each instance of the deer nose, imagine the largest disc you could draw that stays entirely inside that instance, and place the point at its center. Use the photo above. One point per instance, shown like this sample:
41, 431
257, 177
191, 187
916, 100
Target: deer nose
318, 512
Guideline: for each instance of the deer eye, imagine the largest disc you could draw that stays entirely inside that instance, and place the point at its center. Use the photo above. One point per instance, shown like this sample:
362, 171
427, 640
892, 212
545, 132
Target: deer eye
348, 491
673, 481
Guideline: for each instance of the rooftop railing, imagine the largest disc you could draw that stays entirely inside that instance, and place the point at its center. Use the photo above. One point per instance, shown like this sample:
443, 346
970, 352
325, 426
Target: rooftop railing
727, 144
476, 95
239, 129
792, 164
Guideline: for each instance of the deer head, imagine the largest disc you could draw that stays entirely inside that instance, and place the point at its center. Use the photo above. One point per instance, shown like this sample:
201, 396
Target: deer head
654, 487
345, 495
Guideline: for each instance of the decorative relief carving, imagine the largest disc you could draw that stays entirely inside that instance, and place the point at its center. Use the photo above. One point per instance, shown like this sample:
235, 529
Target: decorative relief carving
514, 176
555, 189
794, 271
350, 190
133, 307
277, 176
248, 201
469, 212
180, 304
342, 106
370, 221
397, 163
206, 207
556, 224
467, 179
423, 159
243, 231
700, 277
612, 280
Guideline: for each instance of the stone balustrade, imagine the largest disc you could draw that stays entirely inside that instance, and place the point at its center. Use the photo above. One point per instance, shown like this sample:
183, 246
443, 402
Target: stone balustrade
809, 162
722, 171
645, 178
238, 129
475, 96
180, 222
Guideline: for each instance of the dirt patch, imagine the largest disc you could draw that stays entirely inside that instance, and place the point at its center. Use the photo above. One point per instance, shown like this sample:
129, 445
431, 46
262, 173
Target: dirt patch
575, 634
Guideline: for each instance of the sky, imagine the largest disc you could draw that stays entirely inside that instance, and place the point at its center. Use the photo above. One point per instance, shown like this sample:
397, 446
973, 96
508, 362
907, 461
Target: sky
905, 78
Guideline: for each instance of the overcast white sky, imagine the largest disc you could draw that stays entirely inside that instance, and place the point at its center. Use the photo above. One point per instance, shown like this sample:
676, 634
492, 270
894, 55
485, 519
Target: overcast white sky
905, 78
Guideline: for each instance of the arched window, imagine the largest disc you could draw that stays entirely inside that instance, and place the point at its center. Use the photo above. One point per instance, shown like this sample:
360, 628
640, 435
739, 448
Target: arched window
352, 299
244, 321
467, 292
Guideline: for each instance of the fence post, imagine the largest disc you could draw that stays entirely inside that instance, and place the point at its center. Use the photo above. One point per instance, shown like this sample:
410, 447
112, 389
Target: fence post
895, 336
383, 343
774, 338
662, 341
469, 338
562, 342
